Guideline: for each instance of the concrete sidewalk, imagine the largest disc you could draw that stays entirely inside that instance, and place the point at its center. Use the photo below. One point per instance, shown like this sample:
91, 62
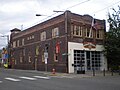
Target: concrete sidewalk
73, 75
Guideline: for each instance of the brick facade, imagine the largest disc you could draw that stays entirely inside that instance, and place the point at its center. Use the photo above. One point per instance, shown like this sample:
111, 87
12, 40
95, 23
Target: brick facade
28, 46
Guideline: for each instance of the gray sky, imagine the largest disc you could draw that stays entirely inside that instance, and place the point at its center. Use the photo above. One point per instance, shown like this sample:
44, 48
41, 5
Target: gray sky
21, 13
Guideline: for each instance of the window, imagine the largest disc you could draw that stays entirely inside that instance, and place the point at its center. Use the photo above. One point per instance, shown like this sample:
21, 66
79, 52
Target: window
56, 57
21, 57
18, 43
23, 41
43, 36
30, 37
43, 59
88, 32
77, 30
14, 44
55, 32
99, 34
29, 57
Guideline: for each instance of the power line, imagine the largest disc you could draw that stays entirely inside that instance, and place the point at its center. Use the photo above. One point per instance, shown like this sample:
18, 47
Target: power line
64, 9
106, 7
77, 4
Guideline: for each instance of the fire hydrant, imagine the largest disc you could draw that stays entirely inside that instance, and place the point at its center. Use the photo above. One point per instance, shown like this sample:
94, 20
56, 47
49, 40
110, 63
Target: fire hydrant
53, 71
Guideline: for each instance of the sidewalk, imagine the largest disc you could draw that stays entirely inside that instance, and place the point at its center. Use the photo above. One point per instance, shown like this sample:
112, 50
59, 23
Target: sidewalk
87, 74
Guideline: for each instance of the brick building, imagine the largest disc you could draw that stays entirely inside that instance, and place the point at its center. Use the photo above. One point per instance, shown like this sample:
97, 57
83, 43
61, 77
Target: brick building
68, 43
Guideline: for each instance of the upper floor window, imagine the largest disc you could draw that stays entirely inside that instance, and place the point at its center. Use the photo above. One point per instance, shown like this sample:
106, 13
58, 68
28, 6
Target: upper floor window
18, 43
88, 32
77, 30
55, 32
23, 41
30, 37
43, 36
14, 44
99, 34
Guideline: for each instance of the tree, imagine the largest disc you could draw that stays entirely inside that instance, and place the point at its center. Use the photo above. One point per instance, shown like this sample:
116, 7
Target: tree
112, 41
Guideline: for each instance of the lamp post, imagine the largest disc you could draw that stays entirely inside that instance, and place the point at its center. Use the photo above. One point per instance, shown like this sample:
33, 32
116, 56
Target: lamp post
45, 51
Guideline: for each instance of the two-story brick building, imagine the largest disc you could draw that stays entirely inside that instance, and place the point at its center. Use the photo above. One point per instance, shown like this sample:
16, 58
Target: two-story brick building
68, 43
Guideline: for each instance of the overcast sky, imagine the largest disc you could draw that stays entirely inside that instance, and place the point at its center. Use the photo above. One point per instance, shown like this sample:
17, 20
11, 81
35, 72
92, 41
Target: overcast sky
21, 13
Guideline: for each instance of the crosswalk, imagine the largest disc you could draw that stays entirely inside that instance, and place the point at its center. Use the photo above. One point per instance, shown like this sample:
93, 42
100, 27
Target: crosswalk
12, 79
20, 78
28, 78
42, 77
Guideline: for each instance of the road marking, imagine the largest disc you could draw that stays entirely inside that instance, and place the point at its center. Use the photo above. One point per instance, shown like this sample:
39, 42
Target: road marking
12, 79
28, 78
41, 77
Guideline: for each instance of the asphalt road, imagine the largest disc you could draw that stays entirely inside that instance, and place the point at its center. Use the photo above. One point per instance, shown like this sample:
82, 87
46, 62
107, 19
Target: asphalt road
25, 80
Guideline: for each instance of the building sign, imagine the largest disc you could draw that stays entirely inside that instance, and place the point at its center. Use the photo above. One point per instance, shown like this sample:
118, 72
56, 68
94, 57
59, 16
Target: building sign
57, 47
45, 54
89, 45
45, 60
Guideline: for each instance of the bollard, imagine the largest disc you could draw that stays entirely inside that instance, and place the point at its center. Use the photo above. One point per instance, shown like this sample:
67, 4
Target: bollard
104, 72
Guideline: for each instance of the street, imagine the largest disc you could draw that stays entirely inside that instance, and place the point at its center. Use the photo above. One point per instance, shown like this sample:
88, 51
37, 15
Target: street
11, 79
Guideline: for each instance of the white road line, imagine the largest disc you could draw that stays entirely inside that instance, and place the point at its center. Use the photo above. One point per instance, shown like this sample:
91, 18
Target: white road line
0, 81
12, 79
28, 78
41, 77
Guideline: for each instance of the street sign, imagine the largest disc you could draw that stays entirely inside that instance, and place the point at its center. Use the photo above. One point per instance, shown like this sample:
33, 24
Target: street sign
45, 60
45, 54
65, 54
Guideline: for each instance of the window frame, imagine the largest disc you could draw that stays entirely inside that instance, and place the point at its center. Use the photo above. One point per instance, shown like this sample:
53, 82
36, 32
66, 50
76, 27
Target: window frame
55, 32
43, 36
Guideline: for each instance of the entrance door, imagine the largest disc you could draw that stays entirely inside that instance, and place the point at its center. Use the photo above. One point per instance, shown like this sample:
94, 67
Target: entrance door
79, 60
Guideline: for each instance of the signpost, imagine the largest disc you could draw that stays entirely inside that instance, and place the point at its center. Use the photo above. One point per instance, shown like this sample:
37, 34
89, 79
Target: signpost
46, 58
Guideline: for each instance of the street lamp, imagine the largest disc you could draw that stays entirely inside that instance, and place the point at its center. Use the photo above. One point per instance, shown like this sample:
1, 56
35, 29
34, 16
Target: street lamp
37, 50
40, 15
